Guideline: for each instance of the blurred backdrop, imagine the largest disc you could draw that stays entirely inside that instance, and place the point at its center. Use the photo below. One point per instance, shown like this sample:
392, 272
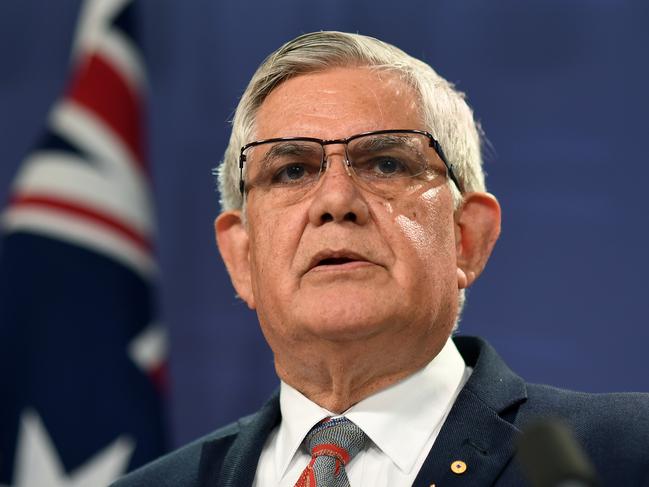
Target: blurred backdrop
560, 87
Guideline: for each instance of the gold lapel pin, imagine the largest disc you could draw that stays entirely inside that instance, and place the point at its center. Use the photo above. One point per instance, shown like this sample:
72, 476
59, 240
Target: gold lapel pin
458, 467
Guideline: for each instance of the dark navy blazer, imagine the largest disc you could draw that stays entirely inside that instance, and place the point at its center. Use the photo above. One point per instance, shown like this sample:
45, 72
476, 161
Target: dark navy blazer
481, 430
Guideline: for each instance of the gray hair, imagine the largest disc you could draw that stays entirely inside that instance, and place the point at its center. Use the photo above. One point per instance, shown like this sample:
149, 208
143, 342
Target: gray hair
443, 108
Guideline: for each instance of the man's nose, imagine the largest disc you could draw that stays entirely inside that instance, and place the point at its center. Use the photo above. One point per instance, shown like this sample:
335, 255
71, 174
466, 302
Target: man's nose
338, 198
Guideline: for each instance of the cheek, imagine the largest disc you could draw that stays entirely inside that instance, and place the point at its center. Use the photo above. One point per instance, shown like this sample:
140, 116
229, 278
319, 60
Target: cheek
427, 272
274, 236
430, 246
414, 233
428, 226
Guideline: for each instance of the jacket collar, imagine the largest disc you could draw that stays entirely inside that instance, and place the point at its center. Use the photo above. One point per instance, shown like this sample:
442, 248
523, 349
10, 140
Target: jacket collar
476, 431
230, 460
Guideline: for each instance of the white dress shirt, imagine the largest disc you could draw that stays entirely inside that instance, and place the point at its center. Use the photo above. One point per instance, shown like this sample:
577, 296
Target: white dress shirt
401, 421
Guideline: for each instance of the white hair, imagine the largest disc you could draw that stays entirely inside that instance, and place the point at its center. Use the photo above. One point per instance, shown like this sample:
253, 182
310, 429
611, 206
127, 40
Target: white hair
444, 110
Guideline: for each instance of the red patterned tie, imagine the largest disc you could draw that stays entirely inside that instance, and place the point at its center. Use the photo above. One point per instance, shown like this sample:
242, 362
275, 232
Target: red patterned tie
332, 443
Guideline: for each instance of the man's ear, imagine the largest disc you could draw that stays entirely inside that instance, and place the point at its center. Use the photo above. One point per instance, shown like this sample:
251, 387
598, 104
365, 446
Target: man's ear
234, 245
477, 226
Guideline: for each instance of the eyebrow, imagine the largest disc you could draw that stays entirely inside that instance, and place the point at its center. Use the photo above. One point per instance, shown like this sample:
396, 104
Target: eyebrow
294, 147
379, 142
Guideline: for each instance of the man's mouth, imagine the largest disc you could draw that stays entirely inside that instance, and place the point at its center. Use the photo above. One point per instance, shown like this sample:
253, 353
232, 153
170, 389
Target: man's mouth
335, 261
332, 259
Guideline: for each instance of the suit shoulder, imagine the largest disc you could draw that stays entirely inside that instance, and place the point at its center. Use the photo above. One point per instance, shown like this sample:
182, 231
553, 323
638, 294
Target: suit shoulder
180, 467
609, 409
598, 421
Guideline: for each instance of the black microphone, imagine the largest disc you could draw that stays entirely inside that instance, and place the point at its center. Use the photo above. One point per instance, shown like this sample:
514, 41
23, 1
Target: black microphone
551, 457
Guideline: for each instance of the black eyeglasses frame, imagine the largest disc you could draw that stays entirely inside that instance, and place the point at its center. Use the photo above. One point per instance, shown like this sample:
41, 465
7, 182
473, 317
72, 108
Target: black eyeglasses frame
323, 142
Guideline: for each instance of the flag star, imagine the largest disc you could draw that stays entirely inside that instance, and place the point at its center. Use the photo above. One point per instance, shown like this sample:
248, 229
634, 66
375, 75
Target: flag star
38, 464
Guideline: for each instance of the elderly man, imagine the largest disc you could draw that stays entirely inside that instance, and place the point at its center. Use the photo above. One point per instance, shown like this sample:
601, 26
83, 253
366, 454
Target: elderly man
354, 216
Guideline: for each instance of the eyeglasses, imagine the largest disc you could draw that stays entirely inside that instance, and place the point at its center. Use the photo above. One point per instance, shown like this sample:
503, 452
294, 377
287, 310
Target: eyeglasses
384, 161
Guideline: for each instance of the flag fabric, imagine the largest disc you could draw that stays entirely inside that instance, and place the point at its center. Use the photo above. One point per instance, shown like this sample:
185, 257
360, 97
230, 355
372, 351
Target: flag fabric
81, 356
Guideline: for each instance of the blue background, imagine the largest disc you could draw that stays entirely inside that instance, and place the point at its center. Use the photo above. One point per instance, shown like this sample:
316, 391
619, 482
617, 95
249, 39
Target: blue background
560, 87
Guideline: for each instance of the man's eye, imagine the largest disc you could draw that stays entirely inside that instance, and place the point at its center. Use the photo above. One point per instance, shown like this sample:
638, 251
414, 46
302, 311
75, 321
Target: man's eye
292, 173
385, 167
389, 166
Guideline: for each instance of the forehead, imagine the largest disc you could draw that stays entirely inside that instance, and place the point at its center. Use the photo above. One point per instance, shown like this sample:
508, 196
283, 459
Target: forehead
337, 103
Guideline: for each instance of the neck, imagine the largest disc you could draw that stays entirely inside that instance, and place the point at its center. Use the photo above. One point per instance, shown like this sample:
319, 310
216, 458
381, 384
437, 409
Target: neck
344, 374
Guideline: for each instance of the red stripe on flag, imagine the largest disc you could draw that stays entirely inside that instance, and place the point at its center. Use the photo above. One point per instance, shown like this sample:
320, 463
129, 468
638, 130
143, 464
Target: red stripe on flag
98, 86
84, 212
159, 375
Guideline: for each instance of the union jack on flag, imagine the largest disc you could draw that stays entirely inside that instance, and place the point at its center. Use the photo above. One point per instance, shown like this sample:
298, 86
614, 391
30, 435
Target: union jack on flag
81, 356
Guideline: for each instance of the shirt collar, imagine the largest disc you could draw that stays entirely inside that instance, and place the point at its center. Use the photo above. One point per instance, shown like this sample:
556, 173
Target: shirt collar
393, 418
299, 415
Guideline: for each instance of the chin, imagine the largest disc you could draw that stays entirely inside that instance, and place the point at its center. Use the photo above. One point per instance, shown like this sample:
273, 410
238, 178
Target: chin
346, 331
342, 321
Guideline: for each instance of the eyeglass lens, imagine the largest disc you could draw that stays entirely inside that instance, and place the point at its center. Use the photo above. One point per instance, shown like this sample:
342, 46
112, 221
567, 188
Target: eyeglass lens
384, 163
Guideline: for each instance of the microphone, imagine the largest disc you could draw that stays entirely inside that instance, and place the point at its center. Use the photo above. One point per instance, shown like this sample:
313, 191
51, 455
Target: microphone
551, 457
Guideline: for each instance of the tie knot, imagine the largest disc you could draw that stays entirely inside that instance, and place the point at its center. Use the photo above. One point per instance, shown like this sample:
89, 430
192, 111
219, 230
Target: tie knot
338, 438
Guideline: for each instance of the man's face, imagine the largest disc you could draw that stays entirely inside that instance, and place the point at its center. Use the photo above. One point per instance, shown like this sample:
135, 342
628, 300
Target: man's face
343, 263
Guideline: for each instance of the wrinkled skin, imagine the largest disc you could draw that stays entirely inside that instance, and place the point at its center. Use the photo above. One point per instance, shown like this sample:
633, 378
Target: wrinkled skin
343, 330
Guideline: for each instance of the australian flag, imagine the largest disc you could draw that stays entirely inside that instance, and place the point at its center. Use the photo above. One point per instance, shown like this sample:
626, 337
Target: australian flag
81, 354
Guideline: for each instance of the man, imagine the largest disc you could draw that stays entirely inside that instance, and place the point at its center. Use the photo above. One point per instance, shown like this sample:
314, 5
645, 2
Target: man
354, 216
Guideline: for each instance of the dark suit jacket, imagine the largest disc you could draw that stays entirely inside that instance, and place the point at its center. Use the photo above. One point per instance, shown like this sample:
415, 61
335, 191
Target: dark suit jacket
480, 430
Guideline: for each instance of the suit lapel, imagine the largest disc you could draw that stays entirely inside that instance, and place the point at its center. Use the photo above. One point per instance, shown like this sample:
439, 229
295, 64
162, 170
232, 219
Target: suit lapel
231, 460
476, 434
476, 431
